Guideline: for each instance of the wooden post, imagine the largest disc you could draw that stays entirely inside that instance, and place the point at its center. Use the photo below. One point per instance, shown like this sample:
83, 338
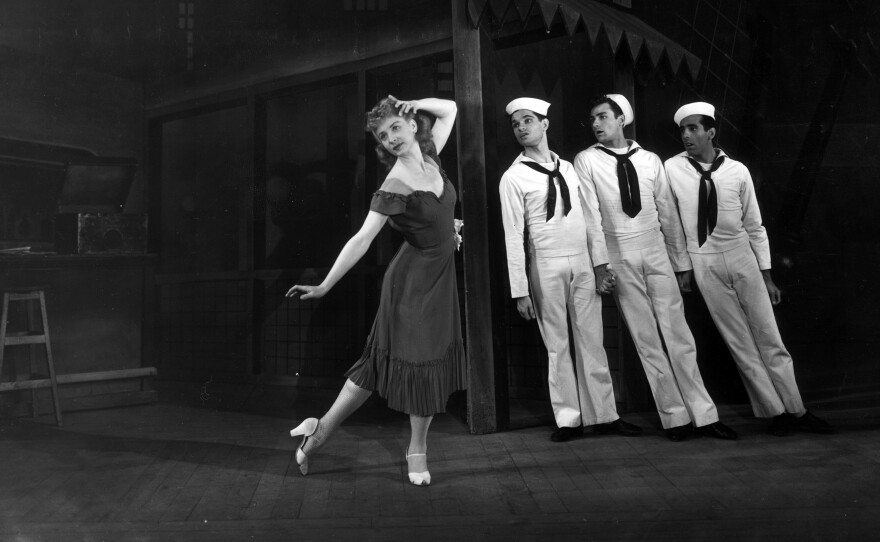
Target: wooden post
634, 392
482, 412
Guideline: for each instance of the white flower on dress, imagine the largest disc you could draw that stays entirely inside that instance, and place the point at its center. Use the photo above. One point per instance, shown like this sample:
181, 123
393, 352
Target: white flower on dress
457, 225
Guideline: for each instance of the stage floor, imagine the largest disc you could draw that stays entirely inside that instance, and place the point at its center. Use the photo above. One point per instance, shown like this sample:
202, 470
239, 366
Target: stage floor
217, 464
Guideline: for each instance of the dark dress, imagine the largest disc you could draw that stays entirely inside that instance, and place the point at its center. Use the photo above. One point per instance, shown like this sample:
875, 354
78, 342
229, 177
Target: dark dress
414, 356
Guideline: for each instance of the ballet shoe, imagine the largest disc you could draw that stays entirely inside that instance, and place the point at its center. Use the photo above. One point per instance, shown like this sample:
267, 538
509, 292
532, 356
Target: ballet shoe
306, 429
418, 478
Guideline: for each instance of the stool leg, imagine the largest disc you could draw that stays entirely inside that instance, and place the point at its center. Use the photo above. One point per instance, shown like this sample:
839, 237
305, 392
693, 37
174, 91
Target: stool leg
3, 319
49, 360
32, 353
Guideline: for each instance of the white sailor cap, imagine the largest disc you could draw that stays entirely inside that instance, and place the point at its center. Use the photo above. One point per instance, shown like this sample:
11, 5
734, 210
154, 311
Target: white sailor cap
696, 108
623, 104
532, 104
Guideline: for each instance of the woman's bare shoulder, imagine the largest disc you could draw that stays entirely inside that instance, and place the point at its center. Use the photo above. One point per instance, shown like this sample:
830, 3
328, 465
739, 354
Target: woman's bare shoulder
395, 185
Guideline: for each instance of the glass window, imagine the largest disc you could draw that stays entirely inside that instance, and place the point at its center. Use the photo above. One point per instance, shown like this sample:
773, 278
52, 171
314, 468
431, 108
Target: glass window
204, 173
311, 176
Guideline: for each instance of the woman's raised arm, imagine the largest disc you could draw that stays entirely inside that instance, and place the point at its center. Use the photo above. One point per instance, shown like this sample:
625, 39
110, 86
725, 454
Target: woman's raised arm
444, 110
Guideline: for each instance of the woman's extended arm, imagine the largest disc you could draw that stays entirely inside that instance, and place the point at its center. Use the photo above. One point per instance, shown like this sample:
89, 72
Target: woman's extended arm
444, 110
353, 251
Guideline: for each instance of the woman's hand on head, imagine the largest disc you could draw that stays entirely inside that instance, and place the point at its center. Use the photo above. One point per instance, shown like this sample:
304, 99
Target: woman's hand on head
306, 292
405, 106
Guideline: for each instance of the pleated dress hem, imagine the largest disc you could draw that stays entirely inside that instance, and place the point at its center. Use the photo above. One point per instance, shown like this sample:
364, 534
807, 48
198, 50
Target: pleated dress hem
396, 379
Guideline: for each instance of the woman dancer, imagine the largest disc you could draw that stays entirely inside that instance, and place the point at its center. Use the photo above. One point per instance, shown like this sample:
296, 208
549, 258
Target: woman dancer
414, 356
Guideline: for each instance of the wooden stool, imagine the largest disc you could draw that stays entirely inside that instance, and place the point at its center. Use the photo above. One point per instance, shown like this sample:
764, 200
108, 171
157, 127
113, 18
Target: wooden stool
30, 336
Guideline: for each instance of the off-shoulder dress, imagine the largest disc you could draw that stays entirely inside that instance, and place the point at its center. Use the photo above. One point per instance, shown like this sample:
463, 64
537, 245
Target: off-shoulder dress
414, 356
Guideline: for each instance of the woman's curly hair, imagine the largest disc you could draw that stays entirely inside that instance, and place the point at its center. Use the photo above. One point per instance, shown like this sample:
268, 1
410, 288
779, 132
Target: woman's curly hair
424, 122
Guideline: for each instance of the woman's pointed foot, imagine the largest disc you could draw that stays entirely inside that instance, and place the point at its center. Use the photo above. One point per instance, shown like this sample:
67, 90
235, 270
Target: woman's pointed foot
306, 429
415, 462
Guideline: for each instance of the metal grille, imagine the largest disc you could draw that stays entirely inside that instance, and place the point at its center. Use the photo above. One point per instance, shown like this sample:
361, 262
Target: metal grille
312, 338
203, 325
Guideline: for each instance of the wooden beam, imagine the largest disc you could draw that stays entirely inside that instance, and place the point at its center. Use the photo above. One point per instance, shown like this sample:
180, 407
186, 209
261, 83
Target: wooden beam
25, 385
497, 252
102, 376
185, 98
77, 378
482, 412
12, 340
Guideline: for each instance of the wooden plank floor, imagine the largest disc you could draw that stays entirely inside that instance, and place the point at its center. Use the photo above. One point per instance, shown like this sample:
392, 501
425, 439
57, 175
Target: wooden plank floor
224, 469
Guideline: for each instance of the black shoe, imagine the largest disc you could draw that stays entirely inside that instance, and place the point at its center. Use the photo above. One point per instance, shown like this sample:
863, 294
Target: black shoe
618, 427
810, 422
780, 426
566, 433
678, 434
717, 430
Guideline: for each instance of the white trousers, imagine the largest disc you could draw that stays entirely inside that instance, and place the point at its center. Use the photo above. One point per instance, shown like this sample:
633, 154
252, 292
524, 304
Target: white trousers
648, 297
737, 298
563, 289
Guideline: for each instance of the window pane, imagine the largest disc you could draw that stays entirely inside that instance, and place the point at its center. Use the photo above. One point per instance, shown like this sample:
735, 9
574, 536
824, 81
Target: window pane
204, 161
311, 171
